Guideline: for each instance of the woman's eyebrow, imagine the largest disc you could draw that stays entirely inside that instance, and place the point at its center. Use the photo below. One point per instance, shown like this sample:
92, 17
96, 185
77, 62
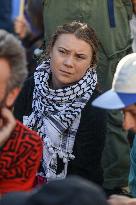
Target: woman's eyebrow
79, 54
63, 48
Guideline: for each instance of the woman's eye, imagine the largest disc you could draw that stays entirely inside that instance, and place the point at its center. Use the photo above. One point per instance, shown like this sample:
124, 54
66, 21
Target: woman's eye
62, 51
80, 57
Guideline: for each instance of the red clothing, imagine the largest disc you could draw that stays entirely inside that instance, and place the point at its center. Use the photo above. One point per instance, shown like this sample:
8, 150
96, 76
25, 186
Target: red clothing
19, 160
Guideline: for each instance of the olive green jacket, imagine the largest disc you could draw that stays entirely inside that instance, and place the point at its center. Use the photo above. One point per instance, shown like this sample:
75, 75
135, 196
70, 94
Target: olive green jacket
96, 14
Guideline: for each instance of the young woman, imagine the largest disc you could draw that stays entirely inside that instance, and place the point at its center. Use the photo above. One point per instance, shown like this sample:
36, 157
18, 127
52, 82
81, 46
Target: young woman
56, 102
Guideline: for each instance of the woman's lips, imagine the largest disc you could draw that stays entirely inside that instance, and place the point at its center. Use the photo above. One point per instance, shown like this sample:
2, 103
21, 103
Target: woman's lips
65, 72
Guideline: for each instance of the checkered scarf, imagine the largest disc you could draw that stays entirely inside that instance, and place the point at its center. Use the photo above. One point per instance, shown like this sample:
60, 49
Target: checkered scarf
56, 117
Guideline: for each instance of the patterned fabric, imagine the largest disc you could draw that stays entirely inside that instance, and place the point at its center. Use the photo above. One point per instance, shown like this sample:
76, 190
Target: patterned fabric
19, 160
56, 116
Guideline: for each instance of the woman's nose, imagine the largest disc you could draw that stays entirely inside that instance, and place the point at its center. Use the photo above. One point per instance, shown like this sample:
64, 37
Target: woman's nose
69, 61
129, 123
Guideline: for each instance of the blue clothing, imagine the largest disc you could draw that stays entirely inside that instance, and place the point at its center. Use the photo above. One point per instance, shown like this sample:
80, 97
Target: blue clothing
132, 174
6, 15
15, 8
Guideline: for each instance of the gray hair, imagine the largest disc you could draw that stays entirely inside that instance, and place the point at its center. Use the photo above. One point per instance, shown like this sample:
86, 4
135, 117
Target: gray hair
12, 50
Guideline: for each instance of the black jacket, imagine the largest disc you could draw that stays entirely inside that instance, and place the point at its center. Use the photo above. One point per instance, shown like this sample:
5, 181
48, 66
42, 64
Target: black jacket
90, 137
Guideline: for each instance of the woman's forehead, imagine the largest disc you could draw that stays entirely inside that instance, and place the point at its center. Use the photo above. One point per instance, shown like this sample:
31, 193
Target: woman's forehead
69, 41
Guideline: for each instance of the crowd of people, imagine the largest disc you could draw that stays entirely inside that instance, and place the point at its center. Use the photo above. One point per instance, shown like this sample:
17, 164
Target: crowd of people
67, 102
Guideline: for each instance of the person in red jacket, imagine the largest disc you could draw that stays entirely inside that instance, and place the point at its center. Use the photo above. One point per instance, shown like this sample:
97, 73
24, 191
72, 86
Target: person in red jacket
20, 148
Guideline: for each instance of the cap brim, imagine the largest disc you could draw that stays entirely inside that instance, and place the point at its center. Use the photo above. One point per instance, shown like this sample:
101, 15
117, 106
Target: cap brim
114, 100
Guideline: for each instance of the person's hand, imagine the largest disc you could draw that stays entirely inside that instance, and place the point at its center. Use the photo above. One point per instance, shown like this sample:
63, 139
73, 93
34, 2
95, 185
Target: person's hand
21, 27
134, 5
7, 124
121, 200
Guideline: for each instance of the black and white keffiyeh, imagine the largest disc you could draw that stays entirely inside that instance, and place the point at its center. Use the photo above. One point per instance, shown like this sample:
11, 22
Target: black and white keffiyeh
56, 117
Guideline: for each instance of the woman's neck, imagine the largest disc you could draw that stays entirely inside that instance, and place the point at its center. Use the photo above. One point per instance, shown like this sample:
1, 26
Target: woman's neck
55, 85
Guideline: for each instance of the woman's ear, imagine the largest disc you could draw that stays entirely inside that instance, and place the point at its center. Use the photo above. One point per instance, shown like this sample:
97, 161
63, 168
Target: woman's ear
11, 97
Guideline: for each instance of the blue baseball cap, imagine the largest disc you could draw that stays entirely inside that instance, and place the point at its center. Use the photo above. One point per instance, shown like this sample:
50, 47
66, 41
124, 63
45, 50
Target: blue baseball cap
123, 91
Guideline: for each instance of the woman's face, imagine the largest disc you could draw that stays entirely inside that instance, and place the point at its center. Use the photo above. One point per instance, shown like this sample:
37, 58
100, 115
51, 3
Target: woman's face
70, 59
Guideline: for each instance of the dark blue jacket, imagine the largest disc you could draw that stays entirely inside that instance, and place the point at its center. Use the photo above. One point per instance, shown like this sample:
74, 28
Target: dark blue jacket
6, 15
